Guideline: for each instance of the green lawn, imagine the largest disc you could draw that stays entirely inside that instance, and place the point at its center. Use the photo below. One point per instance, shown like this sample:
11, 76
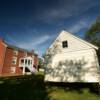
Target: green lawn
32, 87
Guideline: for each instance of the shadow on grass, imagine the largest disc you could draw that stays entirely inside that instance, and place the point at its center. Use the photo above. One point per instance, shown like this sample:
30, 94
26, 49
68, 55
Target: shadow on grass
23, 88
78, 87
33, 88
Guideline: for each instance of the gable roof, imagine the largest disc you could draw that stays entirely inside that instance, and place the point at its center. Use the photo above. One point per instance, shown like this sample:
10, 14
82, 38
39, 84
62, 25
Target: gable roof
18, 48
80, 39
75, 37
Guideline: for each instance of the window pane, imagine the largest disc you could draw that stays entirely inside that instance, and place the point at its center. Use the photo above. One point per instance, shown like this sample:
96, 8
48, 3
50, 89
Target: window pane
25, 54
22, 60
13, 69
15, 52
28, 62
64, 44
14, 60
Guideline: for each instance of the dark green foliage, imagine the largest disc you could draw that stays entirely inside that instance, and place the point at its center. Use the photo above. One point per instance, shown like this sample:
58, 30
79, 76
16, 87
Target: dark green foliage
41, 62
23, 88
93, 35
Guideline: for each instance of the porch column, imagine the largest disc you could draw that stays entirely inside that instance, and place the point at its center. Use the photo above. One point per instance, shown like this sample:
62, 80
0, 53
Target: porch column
24, 67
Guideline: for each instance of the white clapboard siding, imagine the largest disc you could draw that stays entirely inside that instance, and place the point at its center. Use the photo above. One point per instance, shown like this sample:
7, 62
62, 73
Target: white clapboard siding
76, 63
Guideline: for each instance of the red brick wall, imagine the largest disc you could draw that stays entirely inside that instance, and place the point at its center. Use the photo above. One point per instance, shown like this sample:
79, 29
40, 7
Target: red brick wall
8, 61
9, 54
36, 60
2, 54
20, 55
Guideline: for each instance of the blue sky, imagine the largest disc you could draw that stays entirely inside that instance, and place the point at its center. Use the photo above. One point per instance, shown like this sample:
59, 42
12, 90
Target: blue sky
34, 24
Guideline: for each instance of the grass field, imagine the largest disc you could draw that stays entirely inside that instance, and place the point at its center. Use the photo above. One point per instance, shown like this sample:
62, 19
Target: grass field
32, 87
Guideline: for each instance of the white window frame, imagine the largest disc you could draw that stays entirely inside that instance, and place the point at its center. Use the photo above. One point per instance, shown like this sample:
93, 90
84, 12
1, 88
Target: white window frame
13, 70
14, 60
15, 52
25, 53
65, 44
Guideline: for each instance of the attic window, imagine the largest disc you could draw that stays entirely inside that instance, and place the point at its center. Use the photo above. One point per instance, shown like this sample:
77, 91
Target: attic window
64, 44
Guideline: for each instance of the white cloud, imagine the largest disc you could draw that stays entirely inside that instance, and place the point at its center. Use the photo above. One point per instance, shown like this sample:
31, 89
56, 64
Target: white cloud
11, 39
78, 26
33, 42
66, 9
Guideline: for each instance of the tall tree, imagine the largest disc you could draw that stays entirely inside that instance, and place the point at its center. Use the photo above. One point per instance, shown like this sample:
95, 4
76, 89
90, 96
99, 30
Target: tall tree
93, 35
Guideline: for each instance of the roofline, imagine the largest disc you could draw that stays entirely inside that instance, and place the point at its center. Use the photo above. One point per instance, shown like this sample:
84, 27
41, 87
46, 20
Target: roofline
54, 40
17, 48
82, 40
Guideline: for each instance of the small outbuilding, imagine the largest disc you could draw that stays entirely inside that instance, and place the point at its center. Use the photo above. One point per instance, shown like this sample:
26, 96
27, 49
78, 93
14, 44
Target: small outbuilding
71, 59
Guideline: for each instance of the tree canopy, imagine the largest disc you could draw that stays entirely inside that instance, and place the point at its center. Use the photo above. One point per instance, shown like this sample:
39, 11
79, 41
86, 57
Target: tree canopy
93, 35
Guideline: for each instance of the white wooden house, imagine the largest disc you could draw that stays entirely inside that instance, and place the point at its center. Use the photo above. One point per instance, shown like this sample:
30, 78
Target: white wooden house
71, 59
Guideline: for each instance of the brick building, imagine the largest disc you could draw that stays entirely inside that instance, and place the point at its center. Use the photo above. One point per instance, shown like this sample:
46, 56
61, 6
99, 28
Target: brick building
11, 57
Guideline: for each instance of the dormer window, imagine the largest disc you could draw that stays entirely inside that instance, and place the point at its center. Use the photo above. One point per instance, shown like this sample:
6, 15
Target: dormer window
64, 44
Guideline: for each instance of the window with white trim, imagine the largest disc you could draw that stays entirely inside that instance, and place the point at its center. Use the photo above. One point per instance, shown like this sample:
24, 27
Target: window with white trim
25, 54
15, 52
64, 44
13, 70
14, 60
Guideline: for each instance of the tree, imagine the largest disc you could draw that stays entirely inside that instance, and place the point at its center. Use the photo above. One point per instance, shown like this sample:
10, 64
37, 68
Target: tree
93, 35
41, 62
